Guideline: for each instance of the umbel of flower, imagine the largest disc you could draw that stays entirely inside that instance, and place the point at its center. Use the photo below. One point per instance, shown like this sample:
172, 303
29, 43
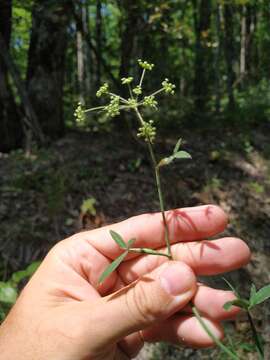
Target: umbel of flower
168, 87
127, 80
147, 131
104, 90
79, 113
137, 90
146, 65
150, 101
113, 109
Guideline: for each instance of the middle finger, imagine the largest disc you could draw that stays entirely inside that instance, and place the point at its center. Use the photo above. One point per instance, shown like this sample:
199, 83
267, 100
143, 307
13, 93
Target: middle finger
204, 257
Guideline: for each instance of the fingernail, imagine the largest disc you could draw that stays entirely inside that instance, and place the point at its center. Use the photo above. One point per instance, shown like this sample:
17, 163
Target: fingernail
177, 279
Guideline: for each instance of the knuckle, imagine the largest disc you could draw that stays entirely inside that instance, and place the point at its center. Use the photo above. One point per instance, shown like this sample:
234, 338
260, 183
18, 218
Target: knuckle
142, 304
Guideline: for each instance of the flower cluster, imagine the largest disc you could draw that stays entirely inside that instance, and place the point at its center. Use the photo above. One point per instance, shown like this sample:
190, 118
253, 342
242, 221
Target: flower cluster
150, 101
104, 90
168, 87
137, 90
113, 109
126, 81
147, 131
145, 65
79, 113
132, 103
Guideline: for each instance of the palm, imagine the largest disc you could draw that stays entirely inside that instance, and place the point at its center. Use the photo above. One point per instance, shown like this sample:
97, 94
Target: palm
85, 255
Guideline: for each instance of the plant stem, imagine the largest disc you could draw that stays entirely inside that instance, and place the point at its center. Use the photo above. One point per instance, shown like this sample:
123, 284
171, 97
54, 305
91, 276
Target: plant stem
212, 336
120, 97
147, 251
95, 109
255, 336
159, 189
157, 92
142, 77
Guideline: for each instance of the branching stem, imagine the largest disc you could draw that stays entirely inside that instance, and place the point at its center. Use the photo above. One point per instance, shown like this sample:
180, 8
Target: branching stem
212, 336
159, 188
147, 251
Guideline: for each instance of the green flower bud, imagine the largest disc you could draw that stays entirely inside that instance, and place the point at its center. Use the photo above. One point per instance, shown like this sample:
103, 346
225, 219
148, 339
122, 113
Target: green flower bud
126, 81
137, 90
79, 114
132, 102
145, 65
113, 109
104, 90
147, 131
150, 101
168, 87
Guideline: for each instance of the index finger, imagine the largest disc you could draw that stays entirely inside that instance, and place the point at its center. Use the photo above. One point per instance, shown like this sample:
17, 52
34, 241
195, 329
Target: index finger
187, 224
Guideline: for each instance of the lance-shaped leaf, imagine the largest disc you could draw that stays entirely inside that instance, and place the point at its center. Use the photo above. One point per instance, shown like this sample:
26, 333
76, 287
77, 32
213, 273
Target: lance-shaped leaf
242, 303
118, 239
113, 266
177, 146
232, 288
182, 155
260, 296
130, 243
177, 155
252, 292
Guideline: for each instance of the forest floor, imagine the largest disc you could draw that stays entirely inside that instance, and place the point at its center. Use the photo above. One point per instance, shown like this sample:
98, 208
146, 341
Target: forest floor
42, 195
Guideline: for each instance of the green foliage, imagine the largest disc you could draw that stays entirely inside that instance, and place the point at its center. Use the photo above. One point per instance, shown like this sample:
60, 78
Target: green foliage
256, 187
9, 289
112, 267
256, 298
118, 239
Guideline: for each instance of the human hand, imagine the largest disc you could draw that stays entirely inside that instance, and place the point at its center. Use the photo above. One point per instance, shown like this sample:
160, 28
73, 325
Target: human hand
64, 314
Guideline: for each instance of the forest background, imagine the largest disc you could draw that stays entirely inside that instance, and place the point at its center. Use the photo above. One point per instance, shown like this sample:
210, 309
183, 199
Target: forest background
58, 175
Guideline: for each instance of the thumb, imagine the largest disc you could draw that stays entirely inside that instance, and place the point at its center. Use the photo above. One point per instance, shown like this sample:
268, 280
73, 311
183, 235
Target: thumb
152, 298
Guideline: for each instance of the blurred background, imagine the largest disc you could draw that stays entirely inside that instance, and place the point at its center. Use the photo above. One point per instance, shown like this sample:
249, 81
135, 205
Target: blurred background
58, 175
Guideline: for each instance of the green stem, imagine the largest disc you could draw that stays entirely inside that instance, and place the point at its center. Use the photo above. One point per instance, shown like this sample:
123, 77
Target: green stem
142, 77
160, 193
212, 336
147, 251
256, 338
120, 97
94, 109
157, 92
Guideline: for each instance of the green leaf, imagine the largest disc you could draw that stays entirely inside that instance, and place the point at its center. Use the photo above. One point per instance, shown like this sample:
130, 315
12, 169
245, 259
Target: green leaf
260, 296
8, 294
232, 288
18, 276
118, 239
32, 268
130, 243
113, 266
177, 146
241, 303
252, 292
23, 274
182, 155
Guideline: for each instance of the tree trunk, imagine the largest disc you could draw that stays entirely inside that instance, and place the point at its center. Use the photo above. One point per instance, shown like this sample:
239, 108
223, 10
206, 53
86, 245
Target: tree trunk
10, 126
82, 56
218, 57
98, 42
243, 43
46, 63
129, 32
202, 19
229, 52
